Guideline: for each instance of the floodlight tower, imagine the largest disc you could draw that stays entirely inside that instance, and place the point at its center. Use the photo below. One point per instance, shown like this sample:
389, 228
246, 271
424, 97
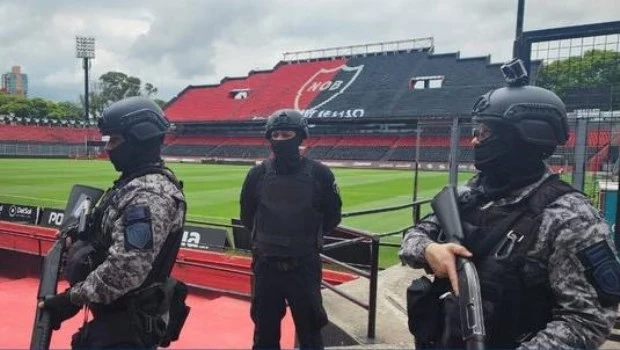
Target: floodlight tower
85, 49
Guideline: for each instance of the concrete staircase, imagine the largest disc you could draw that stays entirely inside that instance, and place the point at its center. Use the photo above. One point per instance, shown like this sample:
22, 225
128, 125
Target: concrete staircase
349, 322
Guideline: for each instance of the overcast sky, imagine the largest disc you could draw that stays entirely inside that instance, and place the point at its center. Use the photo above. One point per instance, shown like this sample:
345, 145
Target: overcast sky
175, 43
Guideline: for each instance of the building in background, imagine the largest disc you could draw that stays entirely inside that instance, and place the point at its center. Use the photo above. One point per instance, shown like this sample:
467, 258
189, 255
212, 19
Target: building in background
15, 82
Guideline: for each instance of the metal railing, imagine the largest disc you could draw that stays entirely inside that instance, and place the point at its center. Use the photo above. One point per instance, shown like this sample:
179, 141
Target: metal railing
358, 236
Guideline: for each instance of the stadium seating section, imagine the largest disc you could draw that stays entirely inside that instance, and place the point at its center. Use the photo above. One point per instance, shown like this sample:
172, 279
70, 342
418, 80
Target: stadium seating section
416, 84
375, 84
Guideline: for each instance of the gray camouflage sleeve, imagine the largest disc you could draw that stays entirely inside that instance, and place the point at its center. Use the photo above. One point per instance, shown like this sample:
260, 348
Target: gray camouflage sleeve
578, 320
416, 240
125, 270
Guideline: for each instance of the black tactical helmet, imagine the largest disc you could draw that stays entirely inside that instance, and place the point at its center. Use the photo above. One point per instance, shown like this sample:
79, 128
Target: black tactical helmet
287, 119
135, 117
538, 115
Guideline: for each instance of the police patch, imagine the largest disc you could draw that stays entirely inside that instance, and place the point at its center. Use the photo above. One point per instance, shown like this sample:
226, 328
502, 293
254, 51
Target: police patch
603, 271
138, 232
139, 236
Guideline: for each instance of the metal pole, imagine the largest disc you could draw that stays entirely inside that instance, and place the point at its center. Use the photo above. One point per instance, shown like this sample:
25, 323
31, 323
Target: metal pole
516, 48
454, 152
581, 141
372, 297
414, 212
86, 105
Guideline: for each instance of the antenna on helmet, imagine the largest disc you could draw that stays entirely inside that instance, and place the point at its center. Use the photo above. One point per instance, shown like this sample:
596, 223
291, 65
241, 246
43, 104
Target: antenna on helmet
515, 73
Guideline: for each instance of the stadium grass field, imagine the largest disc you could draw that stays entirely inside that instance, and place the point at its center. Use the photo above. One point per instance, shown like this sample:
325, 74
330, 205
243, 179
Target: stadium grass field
213, 190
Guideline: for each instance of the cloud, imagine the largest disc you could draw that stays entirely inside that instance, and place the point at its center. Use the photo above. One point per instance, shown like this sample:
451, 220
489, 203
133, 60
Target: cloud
176, 43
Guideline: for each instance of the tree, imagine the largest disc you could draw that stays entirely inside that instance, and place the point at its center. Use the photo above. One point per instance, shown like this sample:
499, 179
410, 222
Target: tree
595, 69
18, 107
40, 108
149, 89
67, 109
161, 103
115, 86
96, 103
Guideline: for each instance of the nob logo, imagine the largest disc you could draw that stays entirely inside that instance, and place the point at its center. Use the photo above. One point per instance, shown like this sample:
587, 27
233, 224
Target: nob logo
12, 211
324, 80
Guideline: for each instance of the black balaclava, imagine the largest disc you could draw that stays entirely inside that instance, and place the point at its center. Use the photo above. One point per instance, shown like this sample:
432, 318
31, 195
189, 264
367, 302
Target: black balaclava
286, 152
132, 155
506, 162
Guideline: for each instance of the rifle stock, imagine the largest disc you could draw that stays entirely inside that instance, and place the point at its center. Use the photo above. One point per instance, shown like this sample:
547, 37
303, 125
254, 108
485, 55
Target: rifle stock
80, 203
445, 207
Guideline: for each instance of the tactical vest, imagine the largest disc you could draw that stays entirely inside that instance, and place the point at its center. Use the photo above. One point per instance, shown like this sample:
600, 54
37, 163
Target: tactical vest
516, 303
89, 252
286, 223
516, 296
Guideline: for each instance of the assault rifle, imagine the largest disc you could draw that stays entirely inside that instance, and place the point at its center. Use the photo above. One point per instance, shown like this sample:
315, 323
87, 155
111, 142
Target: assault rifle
470, 302
76, 218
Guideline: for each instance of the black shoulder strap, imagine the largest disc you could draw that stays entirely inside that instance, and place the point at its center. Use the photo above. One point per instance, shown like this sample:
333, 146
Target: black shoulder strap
308, 166
269, 168
526, 227
549, 192
526, 217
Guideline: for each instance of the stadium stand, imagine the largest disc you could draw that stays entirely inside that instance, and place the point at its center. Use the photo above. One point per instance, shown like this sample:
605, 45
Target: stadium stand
368, 103
263, 91
42, 134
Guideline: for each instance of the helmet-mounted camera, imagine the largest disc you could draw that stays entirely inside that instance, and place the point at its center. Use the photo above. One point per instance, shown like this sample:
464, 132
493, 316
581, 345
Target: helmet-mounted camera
515, 73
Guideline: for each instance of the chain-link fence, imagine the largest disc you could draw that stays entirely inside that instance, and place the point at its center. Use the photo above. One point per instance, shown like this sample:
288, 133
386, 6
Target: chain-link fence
26, 149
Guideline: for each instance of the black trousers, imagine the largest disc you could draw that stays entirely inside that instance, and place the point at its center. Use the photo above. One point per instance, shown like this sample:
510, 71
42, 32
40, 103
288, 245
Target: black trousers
293, 281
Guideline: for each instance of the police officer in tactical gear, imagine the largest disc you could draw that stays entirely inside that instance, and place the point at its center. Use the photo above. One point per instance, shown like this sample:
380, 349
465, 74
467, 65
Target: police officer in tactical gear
121, 268
288, 202
547, 266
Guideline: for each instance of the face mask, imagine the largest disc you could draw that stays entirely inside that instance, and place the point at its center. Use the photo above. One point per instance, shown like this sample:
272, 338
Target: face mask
128, 156
506, 163
493, 155
122, 157
285, 148
286, 153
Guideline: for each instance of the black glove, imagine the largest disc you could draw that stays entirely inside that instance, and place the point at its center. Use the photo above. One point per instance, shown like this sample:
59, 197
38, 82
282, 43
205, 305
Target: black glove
70, 230
61, 308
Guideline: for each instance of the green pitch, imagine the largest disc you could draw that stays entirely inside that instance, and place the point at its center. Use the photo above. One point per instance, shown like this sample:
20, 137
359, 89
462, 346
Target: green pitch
213, 190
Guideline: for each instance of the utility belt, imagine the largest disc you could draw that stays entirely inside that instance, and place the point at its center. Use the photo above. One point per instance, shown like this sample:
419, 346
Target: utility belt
285, 263
151, 316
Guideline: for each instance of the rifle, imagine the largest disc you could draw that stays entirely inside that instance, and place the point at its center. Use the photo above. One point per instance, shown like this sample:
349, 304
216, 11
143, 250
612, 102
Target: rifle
446, 209
78, 213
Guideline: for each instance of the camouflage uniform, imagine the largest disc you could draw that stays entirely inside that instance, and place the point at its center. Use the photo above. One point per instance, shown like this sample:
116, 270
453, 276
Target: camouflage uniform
569, 225
126, 269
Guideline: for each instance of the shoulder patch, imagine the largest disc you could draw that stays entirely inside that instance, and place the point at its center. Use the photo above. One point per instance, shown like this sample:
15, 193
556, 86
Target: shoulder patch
603, 271
138, 231
137, 213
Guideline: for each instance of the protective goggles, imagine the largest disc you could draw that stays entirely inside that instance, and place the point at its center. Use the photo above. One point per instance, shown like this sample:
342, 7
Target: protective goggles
481, 131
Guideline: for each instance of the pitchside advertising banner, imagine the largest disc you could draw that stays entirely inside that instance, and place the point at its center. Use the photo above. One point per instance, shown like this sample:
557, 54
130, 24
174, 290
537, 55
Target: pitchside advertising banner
51, 217
196, 237
19, 213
